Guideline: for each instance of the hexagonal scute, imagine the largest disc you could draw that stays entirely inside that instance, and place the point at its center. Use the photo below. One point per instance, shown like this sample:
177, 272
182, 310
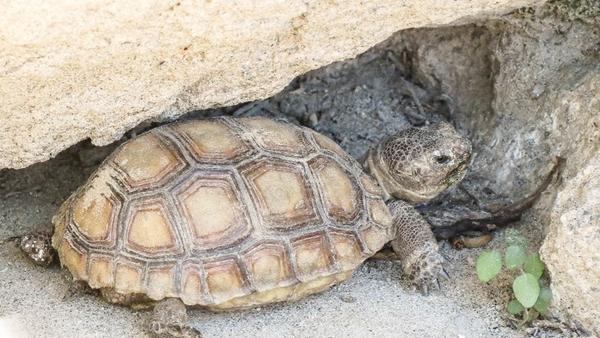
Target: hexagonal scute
374, 238
150, 231
328, 144
212, 141
147, 160
379, 212
74, 258
211, 206
340, 194
95, 211
160, 282
277, 137
192, 290
312, 255
269, 266
347, 247
128, 277
225, 280
283, 197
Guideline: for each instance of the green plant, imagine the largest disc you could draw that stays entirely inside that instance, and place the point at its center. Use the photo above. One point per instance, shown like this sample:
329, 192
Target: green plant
530, 298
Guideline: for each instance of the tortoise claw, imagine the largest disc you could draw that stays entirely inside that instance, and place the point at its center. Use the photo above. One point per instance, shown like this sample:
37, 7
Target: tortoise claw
424, 269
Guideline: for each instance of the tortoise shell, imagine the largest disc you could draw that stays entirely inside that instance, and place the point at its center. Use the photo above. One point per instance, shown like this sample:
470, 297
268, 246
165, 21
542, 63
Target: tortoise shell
223, 213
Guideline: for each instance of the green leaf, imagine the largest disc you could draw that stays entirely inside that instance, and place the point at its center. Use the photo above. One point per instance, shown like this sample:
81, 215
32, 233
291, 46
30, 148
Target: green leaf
515, 256
514, 307
488, 265
527, 289
534, 265
543, 301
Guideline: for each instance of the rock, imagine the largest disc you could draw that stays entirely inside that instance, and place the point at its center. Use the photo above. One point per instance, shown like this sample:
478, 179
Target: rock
570, 250
522, 103
77, 70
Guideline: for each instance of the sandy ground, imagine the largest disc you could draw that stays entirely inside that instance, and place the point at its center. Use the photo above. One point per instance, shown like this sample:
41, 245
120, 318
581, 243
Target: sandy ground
373, 304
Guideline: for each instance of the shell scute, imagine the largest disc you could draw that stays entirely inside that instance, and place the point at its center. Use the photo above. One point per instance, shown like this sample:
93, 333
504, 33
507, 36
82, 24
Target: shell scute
347, 248
276, 136
340, 193
212, 208
147, 161
312, 256
128, 277
150, 231
192, 289
283, 197
212, 141
269, 265
160, 282
225, 280
96, 210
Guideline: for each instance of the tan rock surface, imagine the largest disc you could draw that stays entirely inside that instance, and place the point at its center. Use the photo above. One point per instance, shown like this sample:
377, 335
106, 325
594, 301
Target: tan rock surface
571, 247
71, 70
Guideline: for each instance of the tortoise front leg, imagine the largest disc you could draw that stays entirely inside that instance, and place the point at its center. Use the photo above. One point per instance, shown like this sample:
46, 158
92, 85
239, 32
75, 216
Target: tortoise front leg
415, 246
170, 319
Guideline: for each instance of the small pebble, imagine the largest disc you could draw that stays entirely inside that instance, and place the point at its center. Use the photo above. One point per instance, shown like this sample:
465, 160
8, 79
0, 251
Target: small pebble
537, 90
347, 299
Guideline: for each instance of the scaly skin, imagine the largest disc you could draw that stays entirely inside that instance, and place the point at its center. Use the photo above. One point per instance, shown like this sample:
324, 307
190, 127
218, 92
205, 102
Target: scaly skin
416, 246
416, 165
170, 319
38, 247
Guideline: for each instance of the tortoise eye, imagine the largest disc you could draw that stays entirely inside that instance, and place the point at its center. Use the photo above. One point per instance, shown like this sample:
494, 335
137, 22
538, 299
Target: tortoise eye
442, 159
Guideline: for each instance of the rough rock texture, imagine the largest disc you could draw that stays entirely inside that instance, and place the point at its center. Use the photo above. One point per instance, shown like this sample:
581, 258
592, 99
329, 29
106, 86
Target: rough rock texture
571, 247
525, 90
73, 70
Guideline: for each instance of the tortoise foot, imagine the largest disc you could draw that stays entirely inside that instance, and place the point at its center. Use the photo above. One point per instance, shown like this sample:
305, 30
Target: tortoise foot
38, 247
170, 319
424, 270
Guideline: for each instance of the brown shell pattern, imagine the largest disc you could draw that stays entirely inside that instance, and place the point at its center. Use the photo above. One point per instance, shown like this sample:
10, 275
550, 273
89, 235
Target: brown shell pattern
224, 213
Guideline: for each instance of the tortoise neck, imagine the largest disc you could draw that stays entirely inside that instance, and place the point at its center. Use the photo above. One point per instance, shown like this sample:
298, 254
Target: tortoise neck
370, 166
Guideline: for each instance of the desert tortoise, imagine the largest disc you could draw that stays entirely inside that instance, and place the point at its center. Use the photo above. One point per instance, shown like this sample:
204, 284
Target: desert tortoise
229, 213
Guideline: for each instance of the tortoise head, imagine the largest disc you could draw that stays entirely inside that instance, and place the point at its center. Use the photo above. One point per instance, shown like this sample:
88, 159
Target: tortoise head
419, 163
